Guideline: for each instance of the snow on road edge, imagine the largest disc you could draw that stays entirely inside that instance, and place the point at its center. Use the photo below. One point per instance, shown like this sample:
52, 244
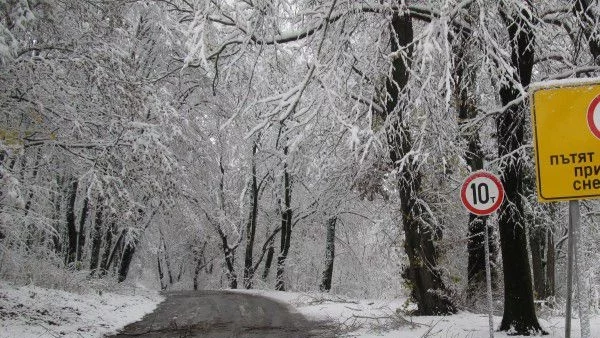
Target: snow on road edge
31, 311
386, 318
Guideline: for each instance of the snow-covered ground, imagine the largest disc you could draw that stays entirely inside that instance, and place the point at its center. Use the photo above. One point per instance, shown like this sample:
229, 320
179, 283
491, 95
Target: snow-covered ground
31, 311
381, 318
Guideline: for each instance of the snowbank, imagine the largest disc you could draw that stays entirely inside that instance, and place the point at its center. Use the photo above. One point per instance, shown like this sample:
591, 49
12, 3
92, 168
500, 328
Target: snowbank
31, 311
386, 318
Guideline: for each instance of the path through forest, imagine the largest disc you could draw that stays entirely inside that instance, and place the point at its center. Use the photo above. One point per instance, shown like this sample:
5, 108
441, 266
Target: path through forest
223, 314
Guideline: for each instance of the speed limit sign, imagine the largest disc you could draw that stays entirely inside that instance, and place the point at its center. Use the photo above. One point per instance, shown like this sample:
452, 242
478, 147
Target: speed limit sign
482, 193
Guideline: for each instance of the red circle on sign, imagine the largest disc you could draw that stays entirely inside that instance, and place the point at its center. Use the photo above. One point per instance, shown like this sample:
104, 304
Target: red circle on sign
590, 117
495, 181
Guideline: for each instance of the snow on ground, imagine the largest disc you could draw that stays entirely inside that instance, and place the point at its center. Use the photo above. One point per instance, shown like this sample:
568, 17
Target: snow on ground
31, 311
381, 318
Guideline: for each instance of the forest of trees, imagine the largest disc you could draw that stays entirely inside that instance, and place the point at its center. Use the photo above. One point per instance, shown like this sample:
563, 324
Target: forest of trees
294, 145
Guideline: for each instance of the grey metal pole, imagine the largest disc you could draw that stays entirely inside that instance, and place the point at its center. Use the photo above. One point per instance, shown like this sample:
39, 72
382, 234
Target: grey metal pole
582, 297
488, 279
573, 217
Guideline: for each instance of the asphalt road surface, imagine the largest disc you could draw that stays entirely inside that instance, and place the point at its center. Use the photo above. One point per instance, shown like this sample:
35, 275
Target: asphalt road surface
223, 314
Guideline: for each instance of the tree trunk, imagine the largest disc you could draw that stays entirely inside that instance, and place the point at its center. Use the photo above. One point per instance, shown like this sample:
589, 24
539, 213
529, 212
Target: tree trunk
128, 251
519, 312
81, 230
427, 287
57, 199
465, 74
329, 256
230, 263
286, 226
541, 242
71, 226
97, 237
107, 249
251, 225
167, 260
200, 263
268, 262
31, 229
2, 159
197, 270
161, 275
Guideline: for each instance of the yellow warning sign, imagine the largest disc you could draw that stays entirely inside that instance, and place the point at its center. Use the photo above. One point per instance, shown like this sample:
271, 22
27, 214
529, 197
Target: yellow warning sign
566, 127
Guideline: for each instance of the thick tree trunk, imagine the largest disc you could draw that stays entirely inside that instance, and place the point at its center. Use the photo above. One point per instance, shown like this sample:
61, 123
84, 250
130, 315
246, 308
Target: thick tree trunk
197, 270
31, 229
161, 275
81, 229
251, 225
167, 259
200, 263
57, 199
427, 287
97, 237
519, 311
107, 248
128, 252
541, 242
2, 160
71, 226
230, 263
465, 74
329, 256
268, 262
286, 226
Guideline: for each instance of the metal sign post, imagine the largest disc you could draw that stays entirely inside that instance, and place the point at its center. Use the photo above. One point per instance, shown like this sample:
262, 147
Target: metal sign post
566, 127
482, 194
488, 280
573, 219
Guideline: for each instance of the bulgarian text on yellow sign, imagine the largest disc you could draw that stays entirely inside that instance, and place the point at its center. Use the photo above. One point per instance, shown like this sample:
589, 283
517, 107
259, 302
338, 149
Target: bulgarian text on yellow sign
566, 126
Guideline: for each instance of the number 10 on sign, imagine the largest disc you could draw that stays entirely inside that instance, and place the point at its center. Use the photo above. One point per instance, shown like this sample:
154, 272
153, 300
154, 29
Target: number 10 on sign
482, 193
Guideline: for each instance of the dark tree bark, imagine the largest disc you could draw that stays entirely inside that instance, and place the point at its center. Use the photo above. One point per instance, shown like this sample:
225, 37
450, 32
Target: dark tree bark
228, 250
329, 256
97, 237
427, 288
128, 251
519, 311
57, 199
71, 226
286, 226
161, 275
2, 159
167, 260
229, 263
197, 270
587, 20
81, 229
251, 225
200, 263
129, 246
107, 249
465, 74
541, 242
116, 251
268, 262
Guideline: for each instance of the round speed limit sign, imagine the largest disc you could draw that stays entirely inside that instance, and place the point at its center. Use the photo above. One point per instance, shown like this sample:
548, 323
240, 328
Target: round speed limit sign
482, 193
